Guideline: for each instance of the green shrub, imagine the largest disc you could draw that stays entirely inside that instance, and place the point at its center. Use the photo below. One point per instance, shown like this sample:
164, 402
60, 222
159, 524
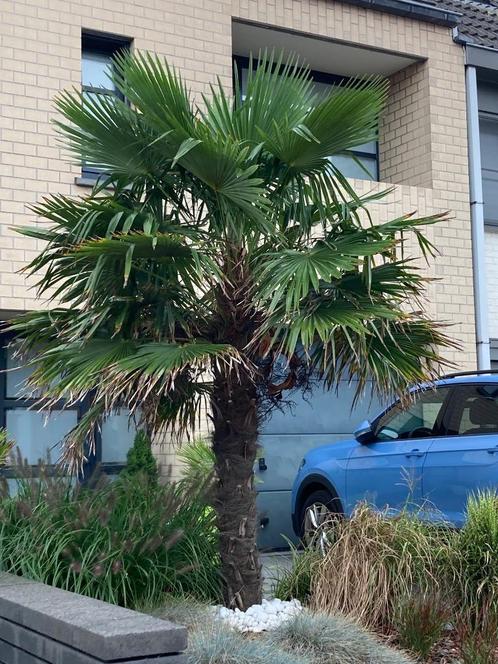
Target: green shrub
295, 583
140, 458
420, 621
198, 464
216, 644
326, 639
477, 551
126, 542
373, 562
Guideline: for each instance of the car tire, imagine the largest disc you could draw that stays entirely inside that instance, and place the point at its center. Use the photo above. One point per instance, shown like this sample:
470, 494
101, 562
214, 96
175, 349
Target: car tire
318, 509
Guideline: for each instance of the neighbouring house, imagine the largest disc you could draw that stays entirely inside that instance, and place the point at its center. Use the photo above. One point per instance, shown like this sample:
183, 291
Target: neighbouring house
423, 48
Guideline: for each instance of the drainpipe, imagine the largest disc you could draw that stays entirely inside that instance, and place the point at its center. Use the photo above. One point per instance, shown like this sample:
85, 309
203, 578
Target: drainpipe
477, 222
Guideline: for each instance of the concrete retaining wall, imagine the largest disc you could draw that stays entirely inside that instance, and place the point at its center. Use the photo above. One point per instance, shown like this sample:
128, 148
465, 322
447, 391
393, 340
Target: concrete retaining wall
44, 625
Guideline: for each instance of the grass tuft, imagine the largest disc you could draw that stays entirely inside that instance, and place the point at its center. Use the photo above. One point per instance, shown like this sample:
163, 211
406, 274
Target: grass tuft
326, 639
295, 582
220, 645
420, 621
373, 562
186, 611
478, 635
477, 552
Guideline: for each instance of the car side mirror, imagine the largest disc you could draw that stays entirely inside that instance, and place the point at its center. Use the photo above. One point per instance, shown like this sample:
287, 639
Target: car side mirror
364, 434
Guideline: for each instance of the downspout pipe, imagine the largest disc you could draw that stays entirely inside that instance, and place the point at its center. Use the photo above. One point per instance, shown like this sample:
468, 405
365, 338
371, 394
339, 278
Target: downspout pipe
477, 222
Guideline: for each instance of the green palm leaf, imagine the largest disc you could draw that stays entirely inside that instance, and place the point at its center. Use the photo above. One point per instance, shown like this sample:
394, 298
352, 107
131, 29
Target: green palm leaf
390, 356
104, 132
352, 110
159, 93
160, 359
278, 96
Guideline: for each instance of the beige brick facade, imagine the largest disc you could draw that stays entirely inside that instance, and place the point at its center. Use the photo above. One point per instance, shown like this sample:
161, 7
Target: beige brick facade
423, 145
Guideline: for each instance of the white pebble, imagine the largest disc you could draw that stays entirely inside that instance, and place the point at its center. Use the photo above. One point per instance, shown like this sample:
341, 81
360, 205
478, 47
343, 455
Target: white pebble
266, 616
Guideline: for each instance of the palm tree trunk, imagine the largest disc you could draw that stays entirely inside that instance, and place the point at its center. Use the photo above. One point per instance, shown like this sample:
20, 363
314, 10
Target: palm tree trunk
235, 440
235, 446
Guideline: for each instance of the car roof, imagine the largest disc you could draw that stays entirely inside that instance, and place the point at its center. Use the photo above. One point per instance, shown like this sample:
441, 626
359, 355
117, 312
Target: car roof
480, 377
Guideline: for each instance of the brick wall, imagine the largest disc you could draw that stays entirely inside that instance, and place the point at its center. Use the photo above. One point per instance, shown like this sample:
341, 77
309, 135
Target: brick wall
423, 143
165, 447
405, 155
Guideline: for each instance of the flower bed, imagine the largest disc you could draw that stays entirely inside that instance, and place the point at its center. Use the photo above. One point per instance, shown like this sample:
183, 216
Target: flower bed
428, 588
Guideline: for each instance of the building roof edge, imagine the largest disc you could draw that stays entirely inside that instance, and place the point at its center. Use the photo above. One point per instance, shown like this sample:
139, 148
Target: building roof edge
410, 9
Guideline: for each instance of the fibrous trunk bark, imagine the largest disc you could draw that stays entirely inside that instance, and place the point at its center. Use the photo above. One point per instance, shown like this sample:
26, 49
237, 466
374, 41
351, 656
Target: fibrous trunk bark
235, 444
235, 447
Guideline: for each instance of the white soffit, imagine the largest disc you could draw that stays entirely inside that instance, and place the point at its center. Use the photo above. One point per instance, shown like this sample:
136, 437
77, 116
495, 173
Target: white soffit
321, 54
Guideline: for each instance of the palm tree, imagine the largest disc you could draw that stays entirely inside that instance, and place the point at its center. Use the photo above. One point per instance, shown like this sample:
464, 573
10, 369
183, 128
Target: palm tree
221, 245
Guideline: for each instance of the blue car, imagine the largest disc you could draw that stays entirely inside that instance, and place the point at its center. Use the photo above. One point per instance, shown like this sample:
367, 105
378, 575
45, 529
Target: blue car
431, 453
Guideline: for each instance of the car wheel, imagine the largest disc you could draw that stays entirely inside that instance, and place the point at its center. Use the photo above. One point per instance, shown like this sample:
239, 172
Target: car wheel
318, 510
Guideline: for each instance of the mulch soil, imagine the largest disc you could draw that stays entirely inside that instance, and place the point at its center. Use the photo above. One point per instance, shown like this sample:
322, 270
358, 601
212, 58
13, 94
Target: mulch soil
445, 652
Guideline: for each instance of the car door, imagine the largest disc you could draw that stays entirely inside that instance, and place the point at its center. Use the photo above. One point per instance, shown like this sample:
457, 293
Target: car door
388, 472
465, 459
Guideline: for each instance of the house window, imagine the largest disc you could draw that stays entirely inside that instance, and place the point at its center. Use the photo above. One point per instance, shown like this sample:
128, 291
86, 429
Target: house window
494, 353
97, 51
488, 132
39, 433
362, 161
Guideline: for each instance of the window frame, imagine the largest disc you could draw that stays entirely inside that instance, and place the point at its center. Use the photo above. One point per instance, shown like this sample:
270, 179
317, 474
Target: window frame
243, 62
492, 117
487, 92
12, 403
100, 43
494, 352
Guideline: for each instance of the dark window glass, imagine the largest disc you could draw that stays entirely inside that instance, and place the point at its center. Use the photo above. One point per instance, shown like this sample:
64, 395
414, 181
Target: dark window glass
97, 52
474, 410
493, 349
39, 433
420, 419
363, 161
488, 129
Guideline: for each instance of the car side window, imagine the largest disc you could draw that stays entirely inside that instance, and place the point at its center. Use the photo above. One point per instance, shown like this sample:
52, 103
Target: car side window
418, 419
474, 410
